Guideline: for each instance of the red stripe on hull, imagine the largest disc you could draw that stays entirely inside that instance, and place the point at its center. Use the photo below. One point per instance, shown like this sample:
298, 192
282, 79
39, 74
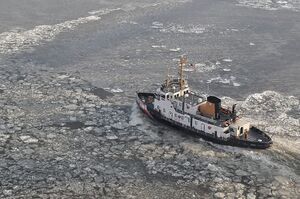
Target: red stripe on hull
143, 107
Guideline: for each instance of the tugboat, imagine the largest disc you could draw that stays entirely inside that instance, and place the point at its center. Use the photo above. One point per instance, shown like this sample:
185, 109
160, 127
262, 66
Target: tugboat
177, 105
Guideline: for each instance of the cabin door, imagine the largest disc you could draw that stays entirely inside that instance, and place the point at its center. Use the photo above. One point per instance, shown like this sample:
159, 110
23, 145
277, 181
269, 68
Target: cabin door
203, 127
241, 130
171, 115
175, 105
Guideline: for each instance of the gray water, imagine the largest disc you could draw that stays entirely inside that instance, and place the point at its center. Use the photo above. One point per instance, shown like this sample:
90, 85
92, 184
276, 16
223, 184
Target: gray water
245, 51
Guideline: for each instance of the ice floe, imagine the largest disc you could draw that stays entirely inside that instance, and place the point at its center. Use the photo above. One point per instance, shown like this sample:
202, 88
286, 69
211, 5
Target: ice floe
117, 90
103, 11
227, 60
271, 4
128, 22
175, 49
271, 111
230, 81
158, 46
12, 42
189, 29
157, 25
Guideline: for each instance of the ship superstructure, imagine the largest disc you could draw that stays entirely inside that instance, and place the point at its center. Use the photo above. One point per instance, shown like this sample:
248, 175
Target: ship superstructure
175, 103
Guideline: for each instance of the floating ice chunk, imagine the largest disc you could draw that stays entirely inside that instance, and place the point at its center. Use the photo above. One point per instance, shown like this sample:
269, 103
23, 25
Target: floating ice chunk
227, 60
157, 46
92, 18
224, 81
157, 25
214, 79
189, 29
112, 137
188, 69
128, 22
175, 49
252, 44
103, 11
200, 65
230, 81
236, 84
28, 139
226, 69
3, 137
118, 90
282, 2
176, 59
205, 67
62, 76
271, 4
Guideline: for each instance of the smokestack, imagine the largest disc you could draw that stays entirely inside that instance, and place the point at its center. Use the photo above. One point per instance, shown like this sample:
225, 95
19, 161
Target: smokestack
217, 102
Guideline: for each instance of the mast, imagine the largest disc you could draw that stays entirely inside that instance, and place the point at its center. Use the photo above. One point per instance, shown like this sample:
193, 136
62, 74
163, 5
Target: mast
168, 79
182, 63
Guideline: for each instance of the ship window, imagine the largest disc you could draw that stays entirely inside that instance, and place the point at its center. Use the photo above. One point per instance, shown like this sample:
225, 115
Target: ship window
167, 96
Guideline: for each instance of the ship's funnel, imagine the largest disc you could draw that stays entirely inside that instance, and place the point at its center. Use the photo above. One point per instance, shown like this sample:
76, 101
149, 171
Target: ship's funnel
217, 102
